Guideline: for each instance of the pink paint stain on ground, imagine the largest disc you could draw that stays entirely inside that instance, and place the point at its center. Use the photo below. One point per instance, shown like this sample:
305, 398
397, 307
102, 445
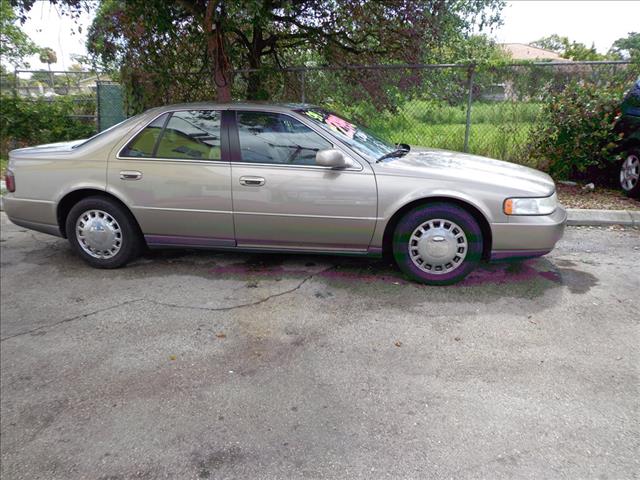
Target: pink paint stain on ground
332, 273
366, 277
492, 274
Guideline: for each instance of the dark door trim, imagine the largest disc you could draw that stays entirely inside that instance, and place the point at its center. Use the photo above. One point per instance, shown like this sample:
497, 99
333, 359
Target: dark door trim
230, 141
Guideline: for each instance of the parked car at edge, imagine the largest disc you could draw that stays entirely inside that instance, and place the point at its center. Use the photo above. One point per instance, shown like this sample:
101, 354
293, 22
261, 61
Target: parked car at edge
627, 125
287, 178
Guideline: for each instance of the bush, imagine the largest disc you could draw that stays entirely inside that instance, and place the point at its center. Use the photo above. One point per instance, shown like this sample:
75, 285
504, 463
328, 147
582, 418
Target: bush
574, 132
25, 122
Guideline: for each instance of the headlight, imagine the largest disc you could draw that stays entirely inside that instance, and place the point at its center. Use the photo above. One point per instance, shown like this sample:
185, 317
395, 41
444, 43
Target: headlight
531, 206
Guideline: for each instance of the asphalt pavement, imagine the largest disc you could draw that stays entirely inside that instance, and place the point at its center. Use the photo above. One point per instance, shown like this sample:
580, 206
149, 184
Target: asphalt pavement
193, 364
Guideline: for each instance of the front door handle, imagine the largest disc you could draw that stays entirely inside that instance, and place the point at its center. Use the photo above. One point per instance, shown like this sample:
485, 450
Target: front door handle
130, 175
252, 181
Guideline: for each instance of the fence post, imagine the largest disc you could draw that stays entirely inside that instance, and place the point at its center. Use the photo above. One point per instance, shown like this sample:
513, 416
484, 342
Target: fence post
467, 128
302, 94
15, 82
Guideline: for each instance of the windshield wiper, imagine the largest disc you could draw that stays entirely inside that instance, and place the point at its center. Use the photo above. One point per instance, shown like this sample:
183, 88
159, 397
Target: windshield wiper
398, 152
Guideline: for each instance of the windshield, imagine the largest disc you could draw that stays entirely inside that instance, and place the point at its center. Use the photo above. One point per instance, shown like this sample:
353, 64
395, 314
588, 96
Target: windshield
112, 127
357, 137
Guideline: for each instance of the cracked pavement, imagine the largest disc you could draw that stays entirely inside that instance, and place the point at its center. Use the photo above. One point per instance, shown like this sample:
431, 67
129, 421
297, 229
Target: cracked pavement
194, 364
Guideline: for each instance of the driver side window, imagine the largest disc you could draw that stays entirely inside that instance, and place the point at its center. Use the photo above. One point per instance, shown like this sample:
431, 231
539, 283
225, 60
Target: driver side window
277, 138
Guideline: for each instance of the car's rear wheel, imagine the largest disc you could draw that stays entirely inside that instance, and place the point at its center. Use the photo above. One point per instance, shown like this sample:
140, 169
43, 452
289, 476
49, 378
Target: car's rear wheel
103, 233
437, 244
630, 173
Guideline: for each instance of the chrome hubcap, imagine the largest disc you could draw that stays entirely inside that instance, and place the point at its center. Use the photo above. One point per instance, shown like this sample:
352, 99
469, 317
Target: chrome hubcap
98, 234
438, 246
630, 172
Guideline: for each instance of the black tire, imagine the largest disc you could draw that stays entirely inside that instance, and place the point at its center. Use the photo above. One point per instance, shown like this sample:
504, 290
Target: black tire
130, 238
631, 155
443, 211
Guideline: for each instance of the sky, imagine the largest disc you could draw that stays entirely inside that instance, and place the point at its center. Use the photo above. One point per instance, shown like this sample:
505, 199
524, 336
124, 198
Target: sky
47, 28
600, 22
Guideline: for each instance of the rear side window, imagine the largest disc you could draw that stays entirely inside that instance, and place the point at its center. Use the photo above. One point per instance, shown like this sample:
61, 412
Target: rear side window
190, 135
193, 134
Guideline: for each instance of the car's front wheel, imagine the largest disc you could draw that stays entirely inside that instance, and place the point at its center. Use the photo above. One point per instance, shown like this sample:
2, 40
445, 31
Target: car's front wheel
437, 244
630, 173
103, 233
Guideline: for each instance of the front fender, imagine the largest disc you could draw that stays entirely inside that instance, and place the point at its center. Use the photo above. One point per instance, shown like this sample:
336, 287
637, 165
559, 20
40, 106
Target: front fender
394, 196
426, 194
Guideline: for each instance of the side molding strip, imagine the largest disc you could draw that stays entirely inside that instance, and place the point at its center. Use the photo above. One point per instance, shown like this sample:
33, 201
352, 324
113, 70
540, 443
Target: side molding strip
173, 240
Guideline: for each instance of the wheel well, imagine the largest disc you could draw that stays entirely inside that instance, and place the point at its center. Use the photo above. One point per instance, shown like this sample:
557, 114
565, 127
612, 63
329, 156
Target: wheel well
487, 239
627, 144
633, 143
68, 201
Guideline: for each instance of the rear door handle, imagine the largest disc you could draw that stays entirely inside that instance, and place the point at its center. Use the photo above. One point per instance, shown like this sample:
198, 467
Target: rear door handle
130, 175
252, 181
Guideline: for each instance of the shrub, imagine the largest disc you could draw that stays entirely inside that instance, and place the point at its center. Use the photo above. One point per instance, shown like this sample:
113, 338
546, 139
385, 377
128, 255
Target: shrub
26, 122
574, 132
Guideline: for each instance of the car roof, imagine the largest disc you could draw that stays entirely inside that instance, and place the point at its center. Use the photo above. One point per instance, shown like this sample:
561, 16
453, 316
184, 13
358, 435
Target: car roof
260, 106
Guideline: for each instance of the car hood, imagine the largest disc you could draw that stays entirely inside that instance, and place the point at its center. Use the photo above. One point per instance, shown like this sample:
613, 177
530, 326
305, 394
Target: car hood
473, 169
59, 147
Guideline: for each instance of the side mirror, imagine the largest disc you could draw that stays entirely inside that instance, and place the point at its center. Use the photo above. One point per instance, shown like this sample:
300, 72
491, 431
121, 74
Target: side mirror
332, 158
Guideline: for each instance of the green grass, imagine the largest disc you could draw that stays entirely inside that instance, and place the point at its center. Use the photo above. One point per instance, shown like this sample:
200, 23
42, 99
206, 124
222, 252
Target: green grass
481, 112
498, 129
505, 142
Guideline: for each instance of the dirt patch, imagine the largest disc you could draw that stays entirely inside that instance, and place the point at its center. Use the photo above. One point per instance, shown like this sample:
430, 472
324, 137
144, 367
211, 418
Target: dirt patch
601, 198
217, 459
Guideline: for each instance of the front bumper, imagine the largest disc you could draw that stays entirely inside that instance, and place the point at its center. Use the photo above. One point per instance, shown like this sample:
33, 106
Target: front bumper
527, 236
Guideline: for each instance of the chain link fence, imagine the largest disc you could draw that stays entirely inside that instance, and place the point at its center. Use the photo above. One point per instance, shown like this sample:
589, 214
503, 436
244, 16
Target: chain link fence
109, 104
90, 99
483, 110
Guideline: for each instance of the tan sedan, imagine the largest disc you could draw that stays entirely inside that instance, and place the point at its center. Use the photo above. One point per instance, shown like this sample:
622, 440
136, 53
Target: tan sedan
292, 178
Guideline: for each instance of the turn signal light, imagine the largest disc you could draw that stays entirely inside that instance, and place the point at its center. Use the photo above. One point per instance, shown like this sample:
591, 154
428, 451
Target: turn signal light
508, 206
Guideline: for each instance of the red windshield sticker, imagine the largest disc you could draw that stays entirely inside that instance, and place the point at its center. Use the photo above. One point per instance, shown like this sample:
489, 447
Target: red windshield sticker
341, 125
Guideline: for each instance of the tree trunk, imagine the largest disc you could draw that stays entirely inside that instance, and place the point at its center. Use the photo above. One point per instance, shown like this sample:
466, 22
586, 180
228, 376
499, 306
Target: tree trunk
220, 67
51, 79
254, 80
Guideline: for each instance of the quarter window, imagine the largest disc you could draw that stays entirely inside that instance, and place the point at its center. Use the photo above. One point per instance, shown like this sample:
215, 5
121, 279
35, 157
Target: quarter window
190, 135
143, 144
276, 138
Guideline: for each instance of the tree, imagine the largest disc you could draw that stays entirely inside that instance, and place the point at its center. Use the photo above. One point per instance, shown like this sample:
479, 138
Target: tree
568, 49
554, 43
72, 8
626, 48
470, 49
41, 76
15, 44
580, 52
46, 77
48, 56
159, 60
263, 34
